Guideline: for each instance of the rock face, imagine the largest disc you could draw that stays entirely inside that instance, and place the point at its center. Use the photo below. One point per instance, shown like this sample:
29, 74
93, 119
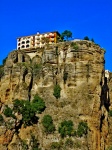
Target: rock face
78, 67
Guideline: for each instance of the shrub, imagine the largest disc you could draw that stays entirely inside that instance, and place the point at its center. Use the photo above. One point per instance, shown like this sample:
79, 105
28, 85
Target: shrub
110, 148
55, 145
35, 143
47, 122
69, 142
65, 76
66, 128
1, 119
82, 129
38, 104
57, 90
8, 112
74, 45
29, 109
86, 38
110, 113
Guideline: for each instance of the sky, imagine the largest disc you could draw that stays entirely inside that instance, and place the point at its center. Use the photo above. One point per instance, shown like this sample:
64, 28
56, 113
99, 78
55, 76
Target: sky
92, 18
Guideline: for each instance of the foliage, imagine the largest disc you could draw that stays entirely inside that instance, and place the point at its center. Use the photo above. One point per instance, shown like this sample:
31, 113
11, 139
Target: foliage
74, 45
1, 119
56, 146
57, 90
69, 142
60, 38
8, 112
35, 143
47, 122
37, 68
110, 148
66, 128
29, 109
66, 34
82, 129
65, 76
110, 113
38, 104
92, 40
1, 71
24, 145
86, 38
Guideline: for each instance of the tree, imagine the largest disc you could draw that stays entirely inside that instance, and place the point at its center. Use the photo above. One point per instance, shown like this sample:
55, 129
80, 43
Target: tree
47, 122
86, 38
66, 34
8, 112
82, 129
29, 109
92, 40
57, 90
66, 128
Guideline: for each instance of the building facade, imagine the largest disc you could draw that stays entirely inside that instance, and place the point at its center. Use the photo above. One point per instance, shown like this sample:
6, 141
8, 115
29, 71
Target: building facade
38, 40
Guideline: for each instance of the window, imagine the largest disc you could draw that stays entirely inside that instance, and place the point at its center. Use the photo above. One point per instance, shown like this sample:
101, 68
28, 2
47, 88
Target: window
23, 42
23, 46
27, 45
27, 41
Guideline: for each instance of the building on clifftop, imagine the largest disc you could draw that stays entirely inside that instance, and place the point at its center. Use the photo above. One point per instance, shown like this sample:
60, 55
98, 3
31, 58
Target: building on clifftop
38, 40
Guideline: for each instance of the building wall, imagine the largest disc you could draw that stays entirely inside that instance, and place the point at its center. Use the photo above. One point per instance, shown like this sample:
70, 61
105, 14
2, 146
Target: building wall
38, 40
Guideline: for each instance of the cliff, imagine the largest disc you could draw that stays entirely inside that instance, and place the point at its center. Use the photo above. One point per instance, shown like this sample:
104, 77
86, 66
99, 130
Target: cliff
84, 96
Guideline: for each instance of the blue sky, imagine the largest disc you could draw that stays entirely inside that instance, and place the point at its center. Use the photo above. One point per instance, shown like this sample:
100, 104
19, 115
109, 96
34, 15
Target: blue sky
92, 18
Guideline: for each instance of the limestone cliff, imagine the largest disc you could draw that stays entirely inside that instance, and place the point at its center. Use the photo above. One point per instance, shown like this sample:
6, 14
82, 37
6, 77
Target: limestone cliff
78, 68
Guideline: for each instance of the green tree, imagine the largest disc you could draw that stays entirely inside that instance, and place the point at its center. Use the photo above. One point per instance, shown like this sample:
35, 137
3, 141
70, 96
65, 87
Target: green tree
92, 40
66, 128
8, 112
47, 122
29, 109
1, 119
82, 129
57, 90
66, 34
38, 104
86, 38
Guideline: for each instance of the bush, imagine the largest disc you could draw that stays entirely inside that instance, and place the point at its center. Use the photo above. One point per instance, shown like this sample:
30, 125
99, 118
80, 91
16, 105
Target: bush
57, 90
47, 122
8, 112
110, 148
110, 113
65, 76
35, 143
29, 109
55, 145
38, 104
1, 119
69, 142
82, 129
66, 128
86, 38
74, 45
